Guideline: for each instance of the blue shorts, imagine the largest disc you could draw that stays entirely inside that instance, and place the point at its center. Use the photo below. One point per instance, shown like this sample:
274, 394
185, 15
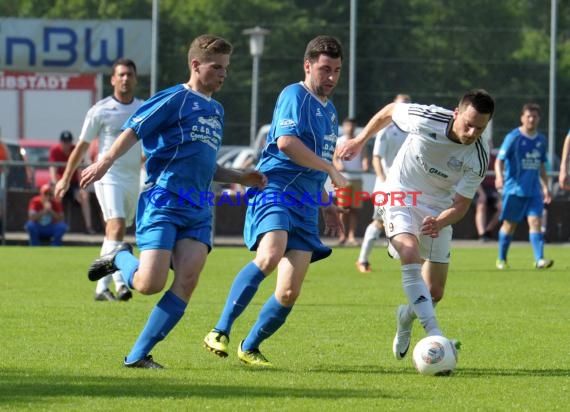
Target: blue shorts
516, 208
300, 221
163, 218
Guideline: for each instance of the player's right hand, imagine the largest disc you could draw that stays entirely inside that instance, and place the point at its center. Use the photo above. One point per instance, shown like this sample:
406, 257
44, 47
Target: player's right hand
337, 179
61, 188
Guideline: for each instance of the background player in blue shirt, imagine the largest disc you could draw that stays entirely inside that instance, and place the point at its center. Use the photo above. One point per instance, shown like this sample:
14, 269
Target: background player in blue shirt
181, 131
521, 175
282, 221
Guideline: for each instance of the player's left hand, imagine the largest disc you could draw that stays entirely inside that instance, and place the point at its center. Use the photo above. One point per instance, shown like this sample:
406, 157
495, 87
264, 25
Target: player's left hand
429, 227
547, 196
333, 224
348, 150
253, 178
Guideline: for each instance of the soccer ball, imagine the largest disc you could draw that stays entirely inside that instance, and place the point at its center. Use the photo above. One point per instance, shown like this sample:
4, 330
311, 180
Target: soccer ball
435, 355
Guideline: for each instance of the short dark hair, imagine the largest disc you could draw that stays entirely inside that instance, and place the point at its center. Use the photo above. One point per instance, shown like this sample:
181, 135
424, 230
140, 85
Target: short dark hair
322, 44
124, 62
530, 107
481, 101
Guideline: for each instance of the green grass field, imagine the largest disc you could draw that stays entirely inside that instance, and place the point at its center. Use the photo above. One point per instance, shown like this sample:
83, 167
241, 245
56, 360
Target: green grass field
61, 350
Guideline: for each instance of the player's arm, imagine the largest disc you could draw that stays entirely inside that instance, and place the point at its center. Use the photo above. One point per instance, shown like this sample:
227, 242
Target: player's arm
432, 225
245, 178
380, 120
72, 164
544, 183
563, 177
300, 154
126, 140
499, 170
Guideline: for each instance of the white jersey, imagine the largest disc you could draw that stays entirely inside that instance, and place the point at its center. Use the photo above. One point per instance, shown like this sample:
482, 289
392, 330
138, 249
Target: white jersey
104, 120
431, 163
386, 145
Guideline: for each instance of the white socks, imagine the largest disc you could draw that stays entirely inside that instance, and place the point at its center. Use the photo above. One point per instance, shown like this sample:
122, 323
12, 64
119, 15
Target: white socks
419, 298
372, 233
103, 283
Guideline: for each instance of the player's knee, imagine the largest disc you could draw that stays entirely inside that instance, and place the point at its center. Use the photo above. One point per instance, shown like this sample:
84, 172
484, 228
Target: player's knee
148, 286
267, 262
287, 297
436, 294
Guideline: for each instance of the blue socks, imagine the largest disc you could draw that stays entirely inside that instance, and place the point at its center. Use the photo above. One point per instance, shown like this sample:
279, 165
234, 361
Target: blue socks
504, 243
242, 291
128, 265
537, 241
165, 315
271, 318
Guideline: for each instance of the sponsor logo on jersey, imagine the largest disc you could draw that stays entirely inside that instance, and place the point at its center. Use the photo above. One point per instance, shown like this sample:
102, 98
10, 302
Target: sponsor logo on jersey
436, 172
454, 164
287, 123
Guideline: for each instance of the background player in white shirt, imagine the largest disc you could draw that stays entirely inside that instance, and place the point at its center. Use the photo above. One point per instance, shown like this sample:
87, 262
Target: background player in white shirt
442, 161
386, 145
351, 169
117, 192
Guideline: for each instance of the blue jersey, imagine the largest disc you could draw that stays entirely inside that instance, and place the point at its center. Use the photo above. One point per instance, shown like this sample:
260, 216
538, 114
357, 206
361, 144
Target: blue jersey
299, 113
523, 157
181, 132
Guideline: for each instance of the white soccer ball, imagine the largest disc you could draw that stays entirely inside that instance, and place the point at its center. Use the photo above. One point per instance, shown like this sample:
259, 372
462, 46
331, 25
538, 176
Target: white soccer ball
435, 355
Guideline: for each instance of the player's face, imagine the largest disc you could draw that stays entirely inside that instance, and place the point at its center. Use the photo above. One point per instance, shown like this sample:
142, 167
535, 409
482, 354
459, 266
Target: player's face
469, 124
322, 75
124, 80
529, 120
211, 74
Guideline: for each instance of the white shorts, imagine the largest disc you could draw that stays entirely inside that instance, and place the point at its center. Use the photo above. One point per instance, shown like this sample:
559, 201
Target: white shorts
408, 219
117, 201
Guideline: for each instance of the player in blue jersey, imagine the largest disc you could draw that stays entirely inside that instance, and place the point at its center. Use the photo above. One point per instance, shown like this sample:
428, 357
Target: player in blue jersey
521, 174
282, 221
180, 129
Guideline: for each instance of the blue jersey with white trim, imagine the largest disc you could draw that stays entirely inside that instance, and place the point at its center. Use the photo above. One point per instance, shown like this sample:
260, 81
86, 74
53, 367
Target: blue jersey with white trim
181, 131
300, 113
523, 157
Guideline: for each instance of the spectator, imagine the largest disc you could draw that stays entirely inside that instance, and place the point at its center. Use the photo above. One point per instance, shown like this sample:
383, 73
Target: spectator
45, 218
60, 153
488, 198
352, 170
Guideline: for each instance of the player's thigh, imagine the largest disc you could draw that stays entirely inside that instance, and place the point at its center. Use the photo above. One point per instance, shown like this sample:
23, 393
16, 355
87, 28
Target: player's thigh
437, 249
291, 273
534, 214
153, 269
117, 201
270, 250
188, 260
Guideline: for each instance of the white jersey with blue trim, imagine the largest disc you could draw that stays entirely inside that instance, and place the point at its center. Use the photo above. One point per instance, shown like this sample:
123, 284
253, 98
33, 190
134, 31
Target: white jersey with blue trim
430, 162
104, 120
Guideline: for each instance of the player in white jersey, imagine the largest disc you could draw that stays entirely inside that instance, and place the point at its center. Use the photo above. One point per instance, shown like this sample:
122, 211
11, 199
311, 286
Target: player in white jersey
386, 145
432, 183
117, 192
